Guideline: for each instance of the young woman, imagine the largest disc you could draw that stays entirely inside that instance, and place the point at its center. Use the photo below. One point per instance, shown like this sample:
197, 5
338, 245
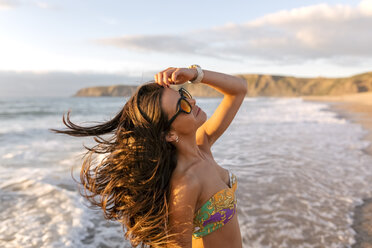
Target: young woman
158, 177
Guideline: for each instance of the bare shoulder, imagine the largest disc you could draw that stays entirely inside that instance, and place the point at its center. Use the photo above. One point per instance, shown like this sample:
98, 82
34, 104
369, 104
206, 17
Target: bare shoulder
185, 189
187, 181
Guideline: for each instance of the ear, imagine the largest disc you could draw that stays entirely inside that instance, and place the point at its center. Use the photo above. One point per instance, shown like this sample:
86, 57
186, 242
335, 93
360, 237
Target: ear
171, 136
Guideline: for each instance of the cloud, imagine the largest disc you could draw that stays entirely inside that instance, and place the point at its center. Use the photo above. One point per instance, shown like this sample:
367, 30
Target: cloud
48, 6
366, 7
8, 4
109, 21
11, 4
332, 32
159, 43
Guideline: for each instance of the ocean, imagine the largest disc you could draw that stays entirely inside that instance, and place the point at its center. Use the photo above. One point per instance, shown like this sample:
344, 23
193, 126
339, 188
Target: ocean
301, 170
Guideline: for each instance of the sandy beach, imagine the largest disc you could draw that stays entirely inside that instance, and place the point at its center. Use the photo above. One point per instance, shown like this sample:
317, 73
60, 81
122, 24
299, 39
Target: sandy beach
357, 108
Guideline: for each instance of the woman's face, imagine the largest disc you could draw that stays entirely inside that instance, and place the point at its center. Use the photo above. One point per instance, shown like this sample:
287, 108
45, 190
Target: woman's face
184, 123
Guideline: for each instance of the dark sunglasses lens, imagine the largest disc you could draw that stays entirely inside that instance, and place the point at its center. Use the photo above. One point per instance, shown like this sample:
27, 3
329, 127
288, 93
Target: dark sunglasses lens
185, 106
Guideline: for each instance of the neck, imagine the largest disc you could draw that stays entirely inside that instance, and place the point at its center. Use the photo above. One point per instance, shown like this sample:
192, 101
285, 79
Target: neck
187, 149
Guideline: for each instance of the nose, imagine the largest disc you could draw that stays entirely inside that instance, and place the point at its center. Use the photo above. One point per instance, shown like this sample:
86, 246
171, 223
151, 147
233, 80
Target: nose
192, 101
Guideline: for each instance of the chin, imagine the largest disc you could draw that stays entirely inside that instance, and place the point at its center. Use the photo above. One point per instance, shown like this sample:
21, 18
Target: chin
203, 117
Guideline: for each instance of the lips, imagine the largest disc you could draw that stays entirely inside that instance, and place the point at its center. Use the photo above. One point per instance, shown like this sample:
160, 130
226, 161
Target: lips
197, 111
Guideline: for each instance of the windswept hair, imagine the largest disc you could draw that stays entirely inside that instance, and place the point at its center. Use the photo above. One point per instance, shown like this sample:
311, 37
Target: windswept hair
132, 182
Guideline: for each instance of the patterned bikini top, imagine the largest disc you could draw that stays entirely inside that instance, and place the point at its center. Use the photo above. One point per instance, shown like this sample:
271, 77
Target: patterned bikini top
217, 211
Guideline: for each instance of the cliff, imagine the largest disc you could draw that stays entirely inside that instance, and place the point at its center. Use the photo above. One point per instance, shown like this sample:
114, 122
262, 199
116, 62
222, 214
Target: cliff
114, 90
262, 85
268, 85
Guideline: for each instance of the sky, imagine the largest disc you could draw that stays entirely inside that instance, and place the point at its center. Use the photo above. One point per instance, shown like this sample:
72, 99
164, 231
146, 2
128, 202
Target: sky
53, 48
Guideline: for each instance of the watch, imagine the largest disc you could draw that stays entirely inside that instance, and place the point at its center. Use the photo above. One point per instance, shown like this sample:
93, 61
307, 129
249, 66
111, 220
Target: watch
199, 76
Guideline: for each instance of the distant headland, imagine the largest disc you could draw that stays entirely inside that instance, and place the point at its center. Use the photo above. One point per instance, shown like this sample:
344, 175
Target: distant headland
260, 85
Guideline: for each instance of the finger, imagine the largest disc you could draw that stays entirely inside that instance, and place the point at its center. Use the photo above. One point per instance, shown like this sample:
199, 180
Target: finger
163, 77
166, 77
161, 80
175, 75
158, 79
169, 71
169, 68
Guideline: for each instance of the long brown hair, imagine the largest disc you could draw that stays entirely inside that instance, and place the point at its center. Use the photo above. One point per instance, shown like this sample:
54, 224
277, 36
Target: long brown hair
132, 182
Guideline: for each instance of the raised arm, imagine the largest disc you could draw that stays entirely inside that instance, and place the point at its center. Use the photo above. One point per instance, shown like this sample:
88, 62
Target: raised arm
234, 90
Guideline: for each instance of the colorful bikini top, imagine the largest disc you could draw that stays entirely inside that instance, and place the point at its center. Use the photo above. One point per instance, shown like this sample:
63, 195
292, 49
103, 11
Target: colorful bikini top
217, 211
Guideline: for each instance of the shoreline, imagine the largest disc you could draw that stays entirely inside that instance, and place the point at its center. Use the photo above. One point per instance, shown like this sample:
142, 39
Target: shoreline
358, 109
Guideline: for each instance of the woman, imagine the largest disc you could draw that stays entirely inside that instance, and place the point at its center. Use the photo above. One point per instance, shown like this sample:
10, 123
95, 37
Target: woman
159, 178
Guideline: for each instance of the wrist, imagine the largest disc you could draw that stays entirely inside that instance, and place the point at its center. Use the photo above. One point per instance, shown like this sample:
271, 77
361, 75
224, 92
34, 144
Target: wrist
195, 73
199, 74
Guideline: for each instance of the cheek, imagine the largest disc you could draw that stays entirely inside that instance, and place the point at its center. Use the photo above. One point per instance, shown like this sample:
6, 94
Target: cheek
187, 123
190, 119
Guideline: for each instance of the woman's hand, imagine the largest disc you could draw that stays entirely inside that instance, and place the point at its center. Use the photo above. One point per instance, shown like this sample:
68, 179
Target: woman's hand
175, 76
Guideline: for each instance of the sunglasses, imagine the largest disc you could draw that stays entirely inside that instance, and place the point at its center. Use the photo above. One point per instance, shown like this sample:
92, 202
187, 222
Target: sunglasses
183, 106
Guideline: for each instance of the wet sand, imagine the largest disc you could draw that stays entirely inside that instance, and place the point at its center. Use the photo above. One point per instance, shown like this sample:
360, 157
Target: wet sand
357, 108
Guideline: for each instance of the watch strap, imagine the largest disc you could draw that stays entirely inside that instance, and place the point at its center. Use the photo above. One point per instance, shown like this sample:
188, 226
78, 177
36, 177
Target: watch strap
200, 74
